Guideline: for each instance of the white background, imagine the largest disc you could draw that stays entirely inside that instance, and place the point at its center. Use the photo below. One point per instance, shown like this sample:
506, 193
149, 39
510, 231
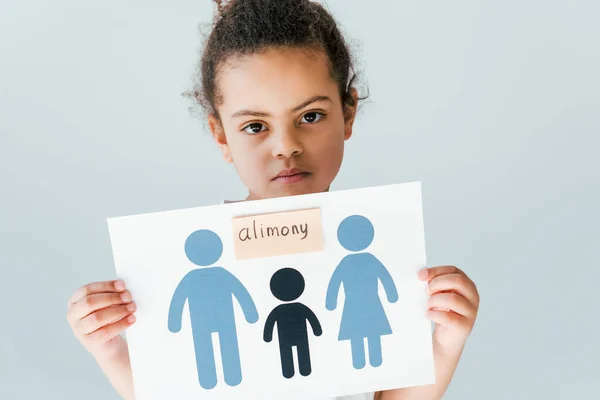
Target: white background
150, 257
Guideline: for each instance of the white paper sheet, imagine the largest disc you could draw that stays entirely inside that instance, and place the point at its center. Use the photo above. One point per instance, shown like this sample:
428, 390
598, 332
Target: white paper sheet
150, 255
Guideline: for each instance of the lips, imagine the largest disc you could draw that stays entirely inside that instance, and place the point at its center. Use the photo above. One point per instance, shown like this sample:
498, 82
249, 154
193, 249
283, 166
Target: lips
291, 175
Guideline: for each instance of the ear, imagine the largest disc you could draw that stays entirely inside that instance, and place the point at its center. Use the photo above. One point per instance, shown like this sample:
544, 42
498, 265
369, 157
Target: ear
218, 133
350, 114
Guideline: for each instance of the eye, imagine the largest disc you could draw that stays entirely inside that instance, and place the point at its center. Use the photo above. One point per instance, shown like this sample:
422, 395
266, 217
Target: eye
313, 117
254, 127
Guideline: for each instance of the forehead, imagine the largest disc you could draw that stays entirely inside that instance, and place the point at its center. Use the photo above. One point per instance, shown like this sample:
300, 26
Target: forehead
274, 79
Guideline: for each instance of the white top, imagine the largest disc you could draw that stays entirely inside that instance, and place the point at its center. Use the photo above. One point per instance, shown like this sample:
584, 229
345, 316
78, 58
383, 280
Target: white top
364, 396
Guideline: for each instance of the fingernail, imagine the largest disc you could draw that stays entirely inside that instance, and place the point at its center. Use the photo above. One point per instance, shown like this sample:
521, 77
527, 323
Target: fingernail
131, 319
131, 306
119, 285
126, 297
423, 273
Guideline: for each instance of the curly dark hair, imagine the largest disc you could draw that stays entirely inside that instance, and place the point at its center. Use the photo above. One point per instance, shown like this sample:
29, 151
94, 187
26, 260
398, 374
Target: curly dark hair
243, 27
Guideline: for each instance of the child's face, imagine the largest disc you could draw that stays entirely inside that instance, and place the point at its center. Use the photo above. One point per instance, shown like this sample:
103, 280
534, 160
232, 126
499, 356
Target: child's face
280, 141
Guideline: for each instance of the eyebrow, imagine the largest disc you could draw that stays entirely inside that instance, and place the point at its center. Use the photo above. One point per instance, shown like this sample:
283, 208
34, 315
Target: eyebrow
251, 113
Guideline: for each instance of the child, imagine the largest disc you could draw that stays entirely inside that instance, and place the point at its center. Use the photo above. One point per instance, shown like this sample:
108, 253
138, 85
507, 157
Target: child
277, 87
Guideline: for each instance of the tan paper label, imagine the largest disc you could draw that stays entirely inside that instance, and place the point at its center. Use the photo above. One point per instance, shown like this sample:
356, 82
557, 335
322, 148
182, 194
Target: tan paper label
276, 234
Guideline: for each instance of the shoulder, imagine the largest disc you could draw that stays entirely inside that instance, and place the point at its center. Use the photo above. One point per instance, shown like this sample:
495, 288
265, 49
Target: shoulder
230, 201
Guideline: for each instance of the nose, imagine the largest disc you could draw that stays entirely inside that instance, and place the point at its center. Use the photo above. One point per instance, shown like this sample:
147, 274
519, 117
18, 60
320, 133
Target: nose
287, 144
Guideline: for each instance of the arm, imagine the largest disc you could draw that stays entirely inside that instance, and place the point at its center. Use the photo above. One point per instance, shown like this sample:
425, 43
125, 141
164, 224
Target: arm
117, 369
387, 281
453, 306
445, 365
334, 287
98, 313
243, 298
177, 303
269, 325
314, 322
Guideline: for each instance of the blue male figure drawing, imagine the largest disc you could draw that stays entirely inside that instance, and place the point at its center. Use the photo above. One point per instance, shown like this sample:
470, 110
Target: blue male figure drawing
360, 272
209, 292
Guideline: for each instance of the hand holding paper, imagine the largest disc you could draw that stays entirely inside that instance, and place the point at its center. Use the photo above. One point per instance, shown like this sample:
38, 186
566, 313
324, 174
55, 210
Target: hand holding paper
98, 312
453, 305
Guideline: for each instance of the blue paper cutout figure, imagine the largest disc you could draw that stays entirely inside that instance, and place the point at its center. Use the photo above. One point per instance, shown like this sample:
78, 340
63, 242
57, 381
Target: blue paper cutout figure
209, 292
287, 284
363, 315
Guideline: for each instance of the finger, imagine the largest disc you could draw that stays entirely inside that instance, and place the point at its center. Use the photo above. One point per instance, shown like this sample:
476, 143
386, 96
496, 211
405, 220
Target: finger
447, 319
105, 317
452, 302
108, 332
458, 283
95, 302
428, 274
96, 287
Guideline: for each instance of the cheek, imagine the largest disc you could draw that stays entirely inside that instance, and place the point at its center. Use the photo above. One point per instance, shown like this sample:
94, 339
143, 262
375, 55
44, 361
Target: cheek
250, 159
329, 153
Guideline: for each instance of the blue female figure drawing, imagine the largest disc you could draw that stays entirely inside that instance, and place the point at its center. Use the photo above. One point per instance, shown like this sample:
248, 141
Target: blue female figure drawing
210, 292
363, 315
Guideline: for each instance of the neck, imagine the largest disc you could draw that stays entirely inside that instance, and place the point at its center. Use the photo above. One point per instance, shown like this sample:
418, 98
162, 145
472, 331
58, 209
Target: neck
253, 196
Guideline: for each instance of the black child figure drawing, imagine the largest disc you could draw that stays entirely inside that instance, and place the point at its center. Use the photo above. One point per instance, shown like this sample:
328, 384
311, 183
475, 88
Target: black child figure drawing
287, 284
